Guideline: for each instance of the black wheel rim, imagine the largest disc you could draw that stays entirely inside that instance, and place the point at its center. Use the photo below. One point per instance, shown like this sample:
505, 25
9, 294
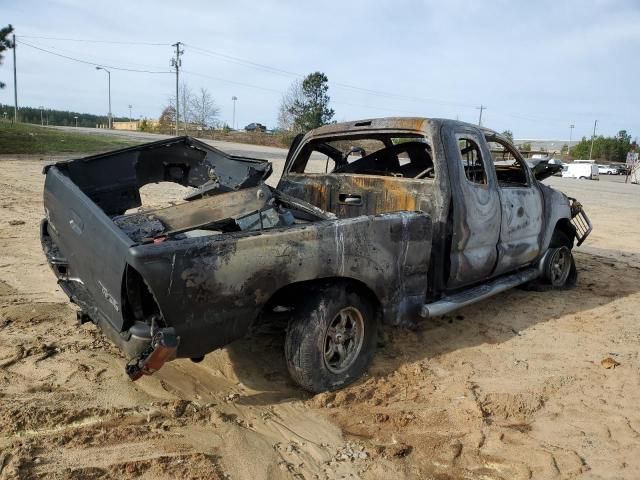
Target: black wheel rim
560, 266
343, 340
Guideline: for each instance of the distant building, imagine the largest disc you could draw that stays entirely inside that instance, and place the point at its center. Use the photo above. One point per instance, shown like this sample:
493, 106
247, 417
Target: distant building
131, 126
126, 125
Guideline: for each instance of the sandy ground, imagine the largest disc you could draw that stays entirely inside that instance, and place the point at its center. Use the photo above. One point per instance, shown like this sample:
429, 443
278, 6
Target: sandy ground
511, 388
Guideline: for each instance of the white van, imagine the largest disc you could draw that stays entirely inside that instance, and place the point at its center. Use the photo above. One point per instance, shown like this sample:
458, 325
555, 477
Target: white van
581, 170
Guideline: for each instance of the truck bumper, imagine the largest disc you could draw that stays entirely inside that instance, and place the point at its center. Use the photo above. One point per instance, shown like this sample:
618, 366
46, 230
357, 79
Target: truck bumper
134, 343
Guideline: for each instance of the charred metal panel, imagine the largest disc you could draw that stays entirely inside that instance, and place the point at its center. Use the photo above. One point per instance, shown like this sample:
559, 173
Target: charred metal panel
112, 180
476, 213
212, 289
95, 251
428, 195
417, 124
522, 222
351, 195
556, 209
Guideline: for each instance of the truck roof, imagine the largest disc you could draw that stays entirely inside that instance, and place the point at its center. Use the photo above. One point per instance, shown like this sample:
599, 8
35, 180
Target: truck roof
418, 124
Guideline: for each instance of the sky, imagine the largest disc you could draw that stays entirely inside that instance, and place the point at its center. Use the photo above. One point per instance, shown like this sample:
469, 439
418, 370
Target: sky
537, 66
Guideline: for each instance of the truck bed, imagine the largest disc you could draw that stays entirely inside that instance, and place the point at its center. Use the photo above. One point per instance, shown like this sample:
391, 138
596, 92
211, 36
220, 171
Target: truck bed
204, 270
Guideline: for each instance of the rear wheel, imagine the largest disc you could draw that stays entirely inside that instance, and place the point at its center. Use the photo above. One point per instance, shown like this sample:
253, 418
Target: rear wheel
331, 338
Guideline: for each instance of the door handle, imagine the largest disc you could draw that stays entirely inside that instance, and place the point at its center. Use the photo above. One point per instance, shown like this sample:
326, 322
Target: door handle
350, 199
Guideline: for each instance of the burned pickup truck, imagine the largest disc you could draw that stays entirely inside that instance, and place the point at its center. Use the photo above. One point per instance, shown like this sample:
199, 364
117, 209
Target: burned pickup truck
385, 220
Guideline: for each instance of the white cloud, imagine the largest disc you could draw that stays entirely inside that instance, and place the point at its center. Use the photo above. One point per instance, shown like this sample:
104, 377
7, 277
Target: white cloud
537, 65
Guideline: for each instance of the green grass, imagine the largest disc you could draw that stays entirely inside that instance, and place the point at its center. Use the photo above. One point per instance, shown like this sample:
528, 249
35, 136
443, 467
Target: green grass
34, 139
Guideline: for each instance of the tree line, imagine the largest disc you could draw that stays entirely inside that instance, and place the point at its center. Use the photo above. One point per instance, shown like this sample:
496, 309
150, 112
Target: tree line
610, 149
48, 116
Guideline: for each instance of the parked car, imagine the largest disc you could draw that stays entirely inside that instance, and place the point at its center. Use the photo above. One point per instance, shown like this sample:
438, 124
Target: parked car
581, 170
607, 170
622, 168
385, 220
255, 127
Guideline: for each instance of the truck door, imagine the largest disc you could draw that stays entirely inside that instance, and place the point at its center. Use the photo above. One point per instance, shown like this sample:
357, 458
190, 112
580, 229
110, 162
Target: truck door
522, 211
476, 212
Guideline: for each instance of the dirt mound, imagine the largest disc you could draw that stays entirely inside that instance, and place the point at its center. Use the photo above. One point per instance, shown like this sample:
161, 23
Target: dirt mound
511, 388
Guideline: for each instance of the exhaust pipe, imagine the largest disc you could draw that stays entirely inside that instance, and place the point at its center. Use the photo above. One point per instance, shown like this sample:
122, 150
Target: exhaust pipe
163, 348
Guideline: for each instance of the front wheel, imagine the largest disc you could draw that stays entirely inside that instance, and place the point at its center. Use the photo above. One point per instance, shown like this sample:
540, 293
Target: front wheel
331, 338
559, 267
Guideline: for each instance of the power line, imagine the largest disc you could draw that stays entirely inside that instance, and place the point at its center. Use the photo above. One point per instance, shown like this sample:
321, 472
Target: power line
88, 62
233, 82
371, 107
71, 53
379, 93
84, 40
242, 61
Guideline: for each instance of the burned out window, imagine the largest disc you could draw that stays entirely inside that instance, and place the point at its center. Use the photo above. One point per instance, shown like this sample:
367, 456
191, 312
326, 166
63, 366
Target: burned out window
510, 170
319, 163
404, 156
471, 159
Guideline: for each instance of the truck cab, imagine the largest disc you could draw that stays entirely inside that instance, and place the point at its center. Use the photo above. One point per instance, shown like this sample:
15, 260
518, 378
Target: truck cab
490, 213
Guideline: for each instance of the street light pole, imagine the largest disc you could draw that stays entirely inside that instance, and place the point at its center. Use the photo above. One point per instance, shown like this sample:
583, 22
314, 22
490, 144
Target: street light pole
570, 137
109, 75
234, 98
593, 137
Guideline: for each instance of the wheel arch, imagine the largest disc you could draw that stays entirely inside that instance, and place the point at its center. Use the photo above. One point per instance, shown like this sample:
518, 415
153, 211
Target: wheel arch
292, 294
565, 227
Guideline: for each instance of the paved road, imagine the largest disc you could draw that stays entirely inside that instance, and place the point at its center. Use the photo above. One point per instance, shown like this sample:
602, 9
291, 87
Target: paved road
260, 151
275, 155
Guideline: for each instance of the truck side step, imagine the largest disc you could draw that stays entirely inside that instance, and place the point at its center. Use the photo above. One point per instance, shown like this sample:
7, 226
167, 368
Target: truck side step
475, 294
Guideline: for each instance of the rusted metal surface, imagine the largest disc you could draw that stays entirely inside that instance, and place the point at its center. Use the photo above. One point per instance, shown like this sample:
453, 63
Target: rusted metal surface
241, 271
377, 194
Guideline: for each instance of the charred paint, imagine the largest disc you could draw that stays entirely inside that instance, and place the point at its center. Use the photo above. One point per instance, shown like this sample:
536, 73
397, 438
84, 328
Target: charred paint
406, 240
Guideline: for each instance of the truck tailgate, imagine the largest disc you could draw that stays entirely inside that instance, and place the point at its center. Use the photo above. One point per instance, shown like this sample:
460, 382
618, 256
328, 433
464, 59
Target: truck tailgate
86, 250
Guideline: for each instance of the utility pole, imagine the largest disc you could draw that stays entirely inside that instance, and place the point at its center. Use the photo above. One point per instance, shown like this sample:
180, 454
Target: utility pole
570, 137
176, 62
15, 83
41, 116
481, 108
234, 98
593, 137
130, 107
